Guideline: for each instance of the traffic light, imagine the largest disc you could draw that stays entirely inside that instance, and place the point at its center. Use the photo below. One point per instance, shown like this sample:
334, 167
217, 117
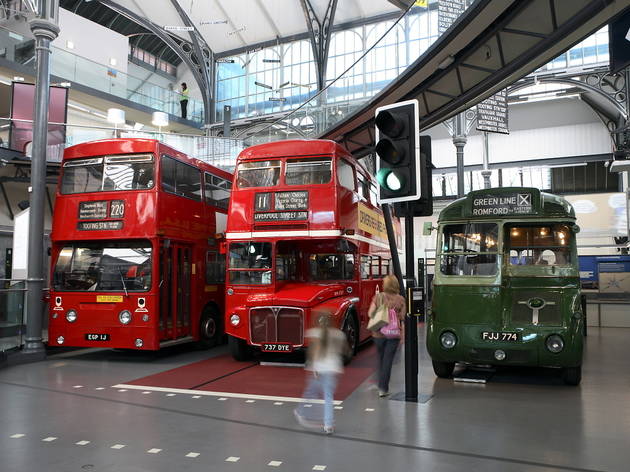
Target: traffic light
423, 206
398, 152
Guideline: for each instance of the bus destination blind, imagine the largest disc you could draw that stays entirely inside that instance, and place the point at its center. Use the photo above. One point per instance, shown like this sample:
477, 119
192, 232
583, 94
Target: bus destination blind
281, 216
508, 204
291, 201
99, 225
101, 209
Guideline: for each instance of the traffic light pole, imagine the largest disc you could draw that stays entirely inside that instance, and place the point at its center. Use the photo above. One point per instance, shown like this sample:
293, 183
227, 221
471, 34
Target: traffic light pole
393, 249
411, 322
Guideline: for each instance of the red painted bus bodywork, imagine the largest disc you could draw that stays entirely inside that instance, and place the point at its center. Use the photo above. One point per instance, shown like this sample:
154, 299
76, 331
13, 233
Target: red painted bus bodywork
180, 232
336, 220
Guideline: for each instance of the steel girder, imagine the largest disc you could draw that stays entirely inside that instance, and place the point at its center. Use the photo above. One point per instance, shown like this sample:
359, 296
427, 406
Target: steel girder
184, 49
320, 31
489, 47
204, 57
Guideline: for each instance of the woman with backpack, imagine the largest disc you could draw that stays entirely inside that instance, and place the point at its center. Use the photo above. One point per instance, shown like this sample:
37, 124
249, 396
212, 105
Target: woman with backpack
388, 337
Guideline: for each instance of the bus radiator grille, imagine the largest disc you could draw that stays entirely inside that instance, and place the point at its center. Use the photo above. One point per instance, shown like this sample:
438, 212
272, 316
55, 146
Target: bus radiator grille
277, 325
549, 315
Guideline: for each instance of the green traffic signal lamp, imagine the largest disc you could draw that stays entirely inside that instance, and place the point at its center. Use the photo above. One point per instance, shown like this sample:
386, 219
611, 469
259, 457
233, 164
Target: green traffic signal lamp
391, 180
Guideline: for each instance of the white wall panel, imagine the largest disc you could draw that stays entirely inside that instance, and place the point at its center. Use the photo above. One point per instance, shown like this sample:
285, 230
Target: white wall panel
92, 41
540, 143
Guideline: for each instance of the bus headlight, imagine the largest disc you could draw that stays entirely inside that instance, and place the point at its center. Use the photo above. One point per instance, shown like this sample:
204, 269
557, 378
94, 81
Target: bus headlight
71, 316
124, 317
60, 340
448, 340
555, 343
235, 319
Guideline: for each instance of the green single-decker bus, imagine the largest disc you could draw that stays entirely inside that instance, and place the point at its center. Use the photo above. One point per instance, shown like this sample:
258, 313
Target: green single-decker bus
506, 288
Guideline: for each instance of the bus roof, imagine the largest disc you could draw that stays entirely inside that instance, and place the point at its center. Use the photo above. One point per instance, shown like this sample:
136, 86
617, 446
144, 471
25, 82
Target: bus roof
294, 148
103, 147
507, 202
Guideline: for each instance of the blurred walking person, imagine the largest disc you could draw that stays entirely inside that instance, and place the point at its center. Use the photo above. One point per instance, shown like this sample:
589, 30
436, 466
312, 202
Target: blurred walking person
327, 347
388, 337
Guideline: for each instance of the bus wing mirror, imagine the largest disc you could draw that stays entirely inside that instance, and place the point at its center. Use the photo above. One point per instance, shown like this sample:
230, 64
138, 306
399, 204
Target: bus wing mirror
222, 247
427, 228
576, 229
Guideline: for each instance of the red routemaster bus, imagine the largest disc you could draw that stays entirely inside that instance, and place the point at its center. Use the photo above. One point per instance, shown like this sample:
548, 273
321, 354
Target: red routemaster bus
304, 235
135, 260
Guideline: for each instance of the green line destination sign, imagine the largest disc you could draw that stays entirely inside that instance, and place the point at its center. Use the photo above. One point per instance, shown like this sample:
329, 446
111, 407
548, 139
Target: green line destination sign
500, 205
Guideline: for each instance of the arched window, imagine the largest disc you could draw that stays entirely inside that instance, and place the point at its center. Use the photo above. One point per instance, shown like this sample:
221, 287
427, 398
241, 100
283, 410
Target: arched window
388, 56
345, 48
299, 78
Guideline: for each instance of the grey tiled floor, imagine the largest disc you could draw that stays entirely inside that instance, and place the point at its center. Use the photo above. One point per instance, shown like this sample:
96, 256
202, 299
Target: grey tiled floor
522, 421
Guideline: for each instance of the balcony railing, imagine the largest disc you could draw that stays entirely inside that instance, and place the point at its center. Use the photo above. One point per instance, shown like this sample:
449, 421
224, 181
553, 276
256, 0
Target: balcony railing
217, 151
12, 329
77, 69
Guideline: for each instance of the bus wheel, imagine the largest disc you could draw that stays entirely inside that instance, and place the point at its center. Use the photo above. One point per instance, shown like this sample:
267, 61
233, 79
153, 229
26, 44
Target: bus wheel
210, 329
352, 336
239, 349
572, 375
443, 369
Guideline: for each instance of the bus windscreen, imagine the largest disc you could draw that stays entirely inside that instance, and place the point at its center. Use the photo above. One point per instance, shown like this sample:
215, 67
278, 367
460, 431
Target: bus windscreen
469, 249
247, 263
104, 266
105, 174
543, 245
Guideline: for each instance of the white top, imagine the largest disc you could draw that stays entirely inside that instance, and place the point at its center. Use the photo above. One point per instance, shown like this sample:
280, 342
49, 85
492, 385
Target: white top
329, 360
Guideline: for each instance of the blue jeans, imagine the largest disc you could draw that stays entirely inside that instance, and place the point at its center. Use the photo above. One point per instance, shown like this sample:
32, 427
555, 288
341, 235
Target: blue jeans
386, 351
321, 385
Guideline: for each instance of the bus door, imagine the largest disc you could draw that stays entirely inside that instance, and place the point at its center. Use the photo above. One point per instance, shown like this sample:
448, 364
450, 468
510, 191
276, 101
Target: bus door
175, 289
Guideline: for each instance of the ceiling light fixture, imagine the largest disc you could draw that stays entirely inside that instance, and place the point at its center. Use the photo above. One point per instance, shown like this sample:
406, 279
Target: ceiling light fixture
447, 61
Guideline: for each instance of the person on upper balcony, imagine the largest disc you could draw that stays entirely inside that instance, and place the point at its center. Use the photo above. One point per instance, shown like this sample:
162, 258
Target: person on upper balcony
184, 100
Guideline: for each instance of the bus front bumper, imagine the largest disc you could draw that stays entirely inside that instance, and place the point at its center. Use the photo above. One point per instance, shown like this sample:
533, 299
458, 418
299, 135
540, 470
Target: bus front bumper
529, 349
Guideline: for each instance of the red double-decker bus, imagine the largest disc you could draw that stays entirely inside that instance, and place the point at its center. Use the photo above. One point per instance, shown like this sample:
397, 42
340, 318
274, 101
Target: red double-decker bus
304, 235
135, 260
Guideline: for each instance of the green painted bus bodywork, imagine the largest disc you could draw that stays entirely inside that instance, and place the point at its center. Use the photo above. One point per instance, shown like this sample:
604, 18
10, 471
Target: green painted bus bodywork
468, 305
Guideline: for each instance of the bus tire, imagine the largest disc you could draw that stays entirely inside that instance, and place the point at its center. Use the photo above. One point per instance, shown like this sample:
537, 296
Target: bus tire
239, 349
443, 370
572, 375
351, 330
210, 328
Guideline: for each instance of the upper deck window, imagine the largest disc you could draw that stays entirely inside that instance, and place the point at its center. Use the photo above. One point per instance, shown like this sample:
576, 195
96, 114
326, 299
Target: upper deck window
258, 174
542, 245
181, 179
308, 171
345, 175
469, 249
217, 191
112, 173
